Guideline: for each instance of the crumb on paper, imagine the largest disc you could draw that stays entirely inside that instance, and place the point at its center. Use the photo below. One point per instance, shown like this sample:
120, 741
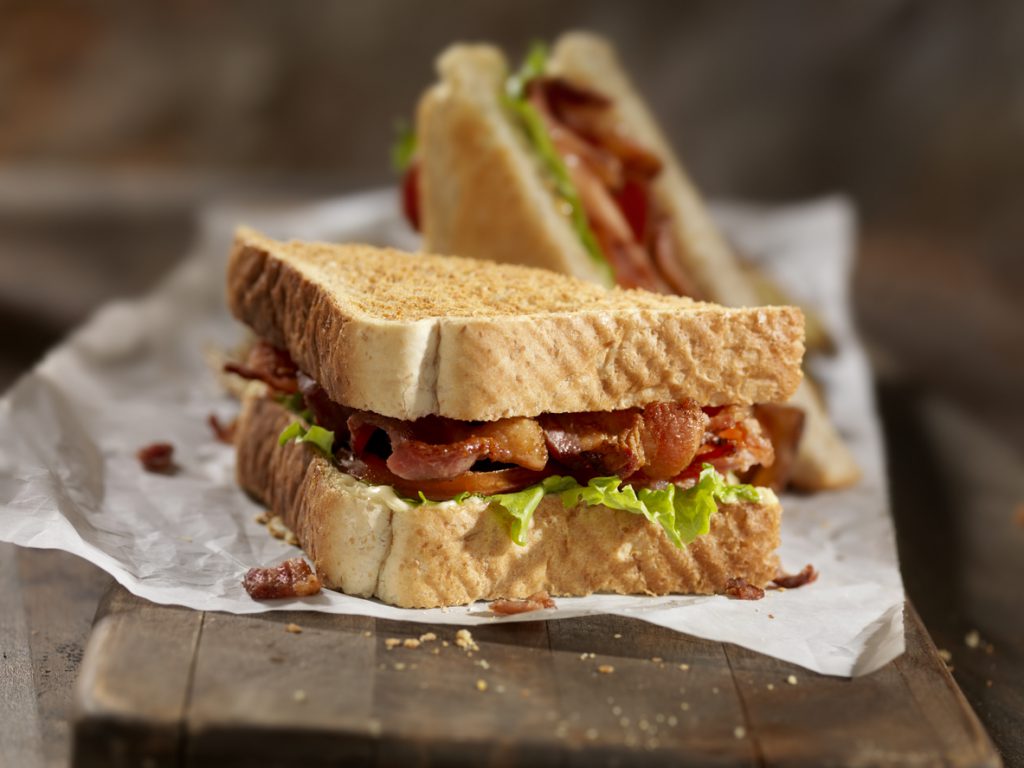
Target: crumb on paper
299, 695
464, 640
972, 639
741, 589
294, 628
792, 680
411, 642
481, 685
605, 669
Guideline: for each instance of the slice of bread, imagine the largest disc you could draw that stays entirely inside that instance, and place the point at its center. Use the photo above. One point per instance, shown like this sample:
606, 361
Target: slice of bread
366, 541
407, 335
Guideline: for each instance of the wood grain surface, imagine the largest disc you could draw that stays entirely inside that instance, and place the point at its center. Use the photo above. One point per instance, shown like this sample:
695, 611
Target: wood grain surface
166, 686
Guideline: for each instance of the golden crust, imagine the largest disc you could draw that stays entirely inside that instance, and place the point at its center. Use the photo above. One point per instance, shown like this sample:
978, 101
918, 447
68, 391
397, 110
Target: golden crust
450, 554
484, 341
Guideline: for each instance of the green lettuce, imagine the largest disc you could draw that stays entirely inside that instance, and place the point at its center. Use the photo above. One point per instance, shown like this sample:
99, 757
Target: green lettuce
516, 101
404, 148
683, 514
320, 438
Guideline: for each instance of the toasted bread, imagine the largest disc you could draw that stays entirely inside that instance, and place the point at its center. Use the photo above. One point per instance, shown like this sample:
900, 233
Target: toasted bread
366, 541
478, 341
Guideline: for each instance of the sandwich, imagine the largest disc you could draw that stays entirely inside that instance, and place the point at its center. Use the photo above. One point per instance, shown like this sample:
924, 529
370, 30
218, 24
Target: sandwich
561, 165
438, 430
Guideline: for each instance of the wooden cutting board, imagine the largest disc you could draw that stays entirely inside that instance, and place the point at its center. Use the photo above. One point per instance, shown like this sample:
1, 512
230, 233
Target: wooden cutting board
168, 686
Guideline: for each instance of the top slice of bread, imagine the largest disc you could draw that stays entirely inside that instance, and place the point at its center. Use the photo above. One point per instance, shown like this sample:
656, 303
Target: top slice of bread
409, 335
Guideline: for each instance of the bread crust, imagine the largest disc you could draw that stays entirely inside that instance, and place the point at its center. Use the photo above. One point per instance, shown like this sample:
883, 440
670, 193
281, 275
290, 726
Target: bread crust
548, 344
364, 542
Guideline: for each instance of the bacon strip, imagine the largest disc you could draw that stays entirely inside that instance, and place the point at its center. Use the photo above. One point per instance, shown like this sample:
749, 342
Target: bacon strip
741, 589
270, 365
807, 575
158, 458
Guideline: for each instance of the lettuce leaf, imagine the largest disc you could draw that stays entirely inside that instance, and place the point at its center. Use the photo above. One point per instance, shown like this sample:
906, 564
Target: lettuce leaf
404, 148
683, 514
515, 100
320, 438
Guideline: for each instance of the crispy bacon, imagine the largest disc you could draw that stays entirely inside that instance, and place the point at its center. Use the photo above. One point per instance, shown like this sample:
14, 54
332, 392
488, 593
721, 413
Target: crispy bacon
783, 425
535, 602
292, 578
435, 448
270, 365
158, 458
374, 470
741, 589
734, 440
326, 412
807, 575
224, 433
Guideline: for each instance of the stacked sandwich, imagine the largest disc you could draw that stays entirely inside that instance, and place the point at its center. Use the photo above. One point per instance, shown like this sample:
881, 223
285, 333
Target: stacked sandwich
438, 430
561, 165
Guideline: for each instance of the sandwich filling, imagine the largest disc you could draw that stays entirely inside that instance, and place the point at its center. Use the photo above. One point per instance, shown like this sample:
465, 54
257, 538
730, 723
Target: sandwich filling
650, 450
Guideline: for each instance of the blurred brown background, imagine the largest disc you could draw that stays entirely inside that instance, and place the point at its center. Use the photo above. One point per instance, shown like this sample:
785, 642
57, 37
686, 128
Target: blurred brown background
119, 119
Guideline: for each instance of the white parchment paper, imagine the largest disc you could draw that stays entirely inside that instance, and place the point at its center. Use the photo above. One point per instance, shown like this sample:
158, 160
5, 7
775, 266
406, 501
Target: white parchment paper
135, 374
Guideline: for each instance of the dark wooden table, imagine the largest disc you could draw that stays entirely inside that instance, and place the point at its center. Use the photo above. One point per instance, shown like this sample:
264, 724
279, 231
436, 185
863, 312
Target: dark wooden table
953, 431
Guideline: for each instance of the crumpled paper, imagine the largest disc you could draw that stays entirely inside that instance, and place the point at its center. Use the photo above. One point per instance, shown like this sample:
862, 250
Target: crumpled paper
135, 374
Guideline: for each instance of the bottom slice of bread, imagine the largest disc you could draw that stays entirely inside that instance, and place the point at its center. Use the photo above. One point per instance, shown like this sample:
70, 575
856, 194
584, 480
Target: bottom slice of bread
366, 541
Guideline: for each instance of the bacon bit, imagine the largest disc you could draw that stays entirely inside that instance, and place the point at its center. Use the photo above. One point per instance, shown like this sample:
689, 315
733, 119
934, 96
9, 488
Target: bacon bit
225, 433
793, 580
740, 589
292, 578
535, 602
158, 458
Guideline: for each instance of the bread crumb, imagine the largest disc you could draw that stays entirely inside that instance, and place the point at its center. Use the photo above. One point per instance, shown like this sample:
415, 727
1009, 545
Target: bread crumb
617, 636
499, 688
411, 642
657, 659
428, 637
945, 655
367, 633
444, 643
672, 721
684, 667
483, 664
685, 706
392, 642
261, 518
481, 685
972, 639
791, 680
299, 695
464, 639
291, 538
436, 651
739, 732
399, 666
771, 686
605, 669
295, 629
276, 527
